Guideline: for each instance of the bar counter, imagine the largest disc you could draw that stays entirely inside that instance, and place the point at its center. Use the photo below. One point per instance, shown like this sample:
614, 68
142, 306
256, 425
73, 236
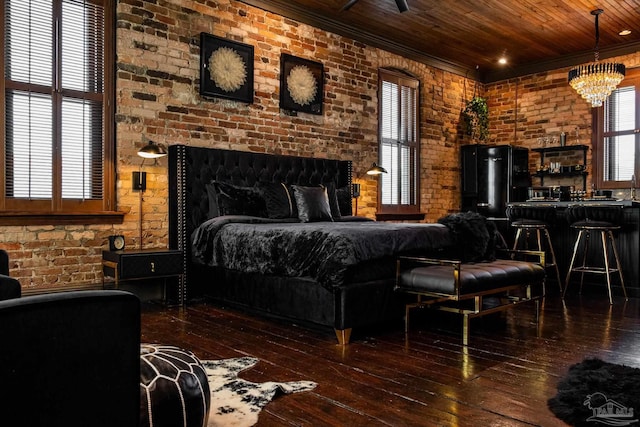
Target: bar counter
563, 238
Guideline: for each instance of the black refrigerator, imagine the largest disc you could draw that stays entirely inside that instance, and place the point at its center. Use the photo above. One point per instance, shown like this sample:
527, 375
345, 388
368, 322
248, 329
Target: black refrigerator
492, 176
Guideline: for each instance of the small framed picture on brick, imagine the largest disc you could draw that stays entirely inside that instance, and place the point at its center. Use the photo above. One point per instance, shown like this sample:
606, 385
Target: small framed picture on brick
301, 84
226, 68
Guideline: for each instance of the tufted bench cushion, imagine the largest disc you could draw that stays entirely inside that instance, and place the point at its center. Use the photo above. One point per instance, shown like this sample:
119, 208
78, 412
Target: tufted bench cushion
449, 284
474, 277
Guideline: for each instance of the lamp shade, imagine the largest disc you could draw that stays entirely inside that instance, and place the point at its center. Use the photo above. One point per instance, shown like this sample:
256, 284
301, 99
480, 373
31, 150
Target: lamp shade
376, 170
152, 151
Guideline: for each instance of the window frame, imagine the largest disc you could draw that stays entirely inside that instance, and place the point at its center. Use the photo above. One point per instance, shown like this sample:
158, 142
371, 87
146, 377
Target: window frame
17, 211
598, 135
398, 211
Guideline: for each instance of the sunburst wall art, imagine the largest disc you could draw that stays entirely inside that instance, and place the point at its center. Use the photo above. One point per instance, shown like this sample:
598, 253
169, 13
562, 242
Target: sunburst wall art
301, 84
226, 68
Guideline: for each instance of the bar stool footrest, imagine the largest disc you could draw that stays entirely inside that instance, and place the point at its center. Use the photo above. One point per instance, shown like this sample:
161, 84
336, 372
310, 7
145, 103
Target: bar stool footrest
596, 270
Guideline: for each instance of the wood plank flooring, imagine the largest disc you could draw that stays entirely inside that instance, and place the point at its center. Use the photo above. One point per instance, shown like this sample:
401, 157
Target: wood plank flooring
426, 378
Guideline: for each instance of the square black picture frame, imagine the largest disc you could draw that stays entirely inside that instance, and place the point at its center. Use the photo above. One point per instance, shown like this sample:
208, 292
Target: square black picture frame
232, 87
300, 96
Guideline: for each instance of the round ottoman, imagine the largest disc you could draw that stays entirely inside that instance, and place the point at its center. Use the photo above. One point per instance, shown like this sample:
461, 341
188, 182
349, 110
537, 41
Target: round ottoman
174, 391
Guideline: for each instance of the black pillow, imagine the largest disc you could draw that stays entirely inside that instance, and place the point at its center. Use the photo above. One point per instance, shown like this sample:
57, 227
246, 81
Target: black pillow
279, 200
333, 200
212, 195
234, 200
312, 203
343, 194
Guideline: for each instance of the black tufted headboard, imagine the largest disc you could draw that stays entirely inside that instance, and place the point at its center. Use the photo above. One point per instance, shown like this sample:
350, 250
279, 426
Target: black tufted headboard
191, 168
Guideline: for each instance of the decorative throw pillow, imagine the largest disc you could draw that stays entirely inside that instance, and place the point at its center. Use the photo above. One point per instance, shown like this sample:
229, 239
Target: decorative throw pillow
343, 194
212, 196
333, 200
312, 203
279, 200
234, 200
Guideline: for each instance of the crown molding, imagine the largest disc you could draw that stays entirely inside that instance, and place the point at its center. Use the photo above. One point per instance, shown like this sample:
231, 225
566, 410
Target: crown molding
559, 63
309, 17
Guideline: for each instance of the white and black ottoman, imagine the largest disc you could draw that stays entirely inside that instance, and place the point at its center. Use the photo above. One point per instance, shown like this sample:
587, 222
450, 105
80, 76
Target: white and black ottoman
174, 391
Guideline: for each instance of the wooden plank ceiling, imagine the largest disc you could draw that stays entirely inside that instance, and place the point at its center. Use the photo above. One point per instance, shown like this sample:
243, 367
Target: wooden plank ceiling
469, 36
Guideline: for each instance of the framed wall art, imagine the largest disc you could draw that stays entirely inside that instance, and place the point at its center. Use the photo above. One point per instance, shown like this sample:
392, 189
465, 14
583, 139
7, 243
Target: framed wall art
226, 68
301, 84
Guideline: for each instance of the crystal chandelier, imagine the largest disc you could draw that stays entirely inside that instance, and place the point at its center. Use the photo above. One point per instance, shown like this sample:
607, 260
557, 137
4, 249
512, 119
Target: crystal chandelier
595, 81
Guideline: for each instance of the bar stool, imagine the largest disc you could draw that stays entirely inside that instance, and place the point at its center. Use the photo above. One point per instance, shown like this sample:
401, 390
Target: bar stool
602, 219
539, 219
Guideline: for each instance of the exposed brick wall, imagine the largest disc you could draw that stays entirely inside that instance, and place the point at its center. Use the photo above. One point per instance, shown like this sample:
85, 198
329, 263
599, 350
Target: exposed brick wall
524, 109
157, 98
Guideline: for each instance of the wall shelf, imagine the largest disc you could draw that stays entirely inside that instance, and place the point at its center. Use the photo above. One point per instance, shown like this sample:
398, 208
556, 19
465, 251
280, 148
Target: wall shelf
544, 151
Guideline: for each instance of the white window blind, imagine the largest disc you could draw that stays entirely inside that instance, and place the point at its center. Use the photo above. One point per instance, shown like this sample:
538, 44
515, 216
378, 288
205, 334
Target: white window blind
619, 137
398, 139
54, 99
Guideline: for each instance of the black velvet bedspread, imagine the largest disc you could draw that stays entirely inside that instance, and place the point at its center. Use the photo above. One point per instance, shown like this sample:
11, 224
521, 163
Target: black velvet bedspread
321, 250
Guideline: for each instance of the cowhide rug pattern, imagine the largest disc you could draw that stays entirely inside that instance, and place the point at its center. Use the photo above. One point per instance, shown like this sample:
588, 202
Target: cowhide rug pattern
237, 402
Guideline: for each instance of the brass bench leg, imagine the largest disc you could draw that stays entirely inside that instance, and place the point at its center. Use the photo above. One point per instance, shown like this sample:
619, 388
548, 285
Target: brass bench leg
407, 309
465, 329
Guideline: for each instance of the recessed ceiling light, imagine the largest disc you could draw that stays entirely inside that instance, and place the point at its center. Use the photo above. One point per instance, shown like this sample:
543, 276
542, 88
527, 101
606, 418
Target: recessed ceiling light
502, 61
624, 32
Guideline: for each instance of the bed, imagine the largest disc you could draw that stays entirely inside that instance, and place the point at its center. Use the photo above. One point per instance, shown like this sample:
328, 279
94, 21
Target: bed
256, 233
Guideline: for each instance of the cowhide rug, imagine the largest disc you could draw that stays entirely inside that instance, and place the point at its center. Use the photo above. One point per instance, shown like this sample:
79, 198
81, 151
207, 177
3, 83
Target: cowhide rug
237, 402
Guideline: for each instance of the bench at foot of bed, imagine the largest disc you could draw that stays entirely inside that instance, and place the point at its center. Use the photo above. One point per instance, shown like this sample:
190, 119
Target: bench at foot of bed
459, 287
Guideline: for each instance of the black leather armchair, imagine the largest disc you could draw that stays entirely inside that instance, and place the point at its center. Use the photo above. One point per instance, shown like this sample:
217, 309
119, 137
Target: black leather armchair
9, 287
70, 359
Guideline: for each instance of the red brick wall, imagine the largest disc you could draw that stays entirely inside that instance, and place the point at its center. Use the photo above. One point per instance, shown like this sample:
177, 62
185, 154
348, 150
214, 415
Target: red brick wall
157, 98
522, 110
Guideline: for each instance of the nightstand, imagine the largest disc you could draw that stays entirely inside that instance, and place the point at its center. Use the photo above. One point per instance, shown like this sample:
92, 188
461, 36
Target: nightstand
145, 264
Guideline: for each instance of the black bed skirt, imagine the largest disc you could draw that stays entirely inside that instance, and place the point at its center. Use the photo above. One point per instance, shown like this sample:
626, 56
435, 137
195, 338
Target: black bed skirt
351, 306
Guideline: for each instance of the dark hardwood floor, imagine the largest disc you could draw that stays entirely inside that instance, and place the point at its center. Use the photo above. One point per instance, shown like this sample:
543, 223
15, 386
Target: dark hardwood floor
426, 378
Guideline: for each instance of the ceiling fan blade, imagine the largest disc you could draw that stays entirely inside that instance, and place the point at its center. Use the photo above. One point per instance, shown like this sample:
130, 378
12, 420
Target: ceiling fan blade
348, 5
402, 5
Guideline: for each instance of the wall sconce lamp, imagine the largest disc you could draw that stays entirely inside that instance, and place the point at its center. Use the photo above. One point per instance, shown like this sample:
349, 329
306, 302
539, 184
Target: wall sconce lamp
139, 178
149, 151
374, 170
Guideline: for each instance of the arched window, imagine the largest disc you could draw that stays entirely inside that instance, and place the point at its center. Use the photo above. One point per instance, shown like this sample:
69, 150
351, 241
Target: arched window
399, 140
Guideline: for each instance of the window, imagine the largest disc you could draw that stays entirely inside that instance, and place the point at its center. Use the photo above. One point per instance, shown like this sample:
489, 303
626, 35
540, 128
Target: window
617, 131
399, 146
57, 143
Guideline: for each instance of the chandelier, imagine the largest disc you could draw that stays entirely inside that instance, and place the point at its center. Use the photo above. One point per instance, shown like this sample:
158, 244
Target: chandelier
595, 81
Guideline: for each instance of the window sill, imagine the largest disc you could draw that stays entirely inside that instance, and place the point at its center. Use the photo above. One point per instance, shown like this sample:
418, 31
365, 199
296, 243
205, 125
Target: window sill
60, 218
396, 216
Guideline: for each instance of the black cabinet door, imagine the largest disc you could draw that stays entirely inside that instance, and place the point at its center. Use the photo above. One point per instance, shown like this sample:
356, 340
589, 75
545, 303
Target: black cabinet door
494, 167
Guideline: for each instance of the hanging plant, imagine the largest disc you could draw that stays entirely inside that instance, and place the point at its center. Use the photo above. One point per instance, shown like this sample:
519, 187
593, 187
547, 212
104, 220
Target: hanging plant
476, 119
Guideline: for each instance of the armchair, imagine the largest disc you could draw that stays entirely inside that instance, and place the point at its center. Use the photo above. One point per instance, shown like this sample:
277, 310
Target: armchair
9, 287
70, 359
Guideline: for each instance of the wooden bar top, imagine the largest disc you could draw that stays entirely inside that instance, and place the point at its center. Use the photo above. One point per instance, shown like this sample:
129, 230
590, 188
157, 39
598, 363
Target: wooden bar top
594, 202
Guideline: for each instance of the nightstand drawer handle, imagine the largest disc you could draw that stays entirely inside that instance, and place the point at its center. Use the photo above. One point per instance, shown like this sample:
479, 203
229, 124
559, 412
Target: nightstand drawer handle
153, 267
